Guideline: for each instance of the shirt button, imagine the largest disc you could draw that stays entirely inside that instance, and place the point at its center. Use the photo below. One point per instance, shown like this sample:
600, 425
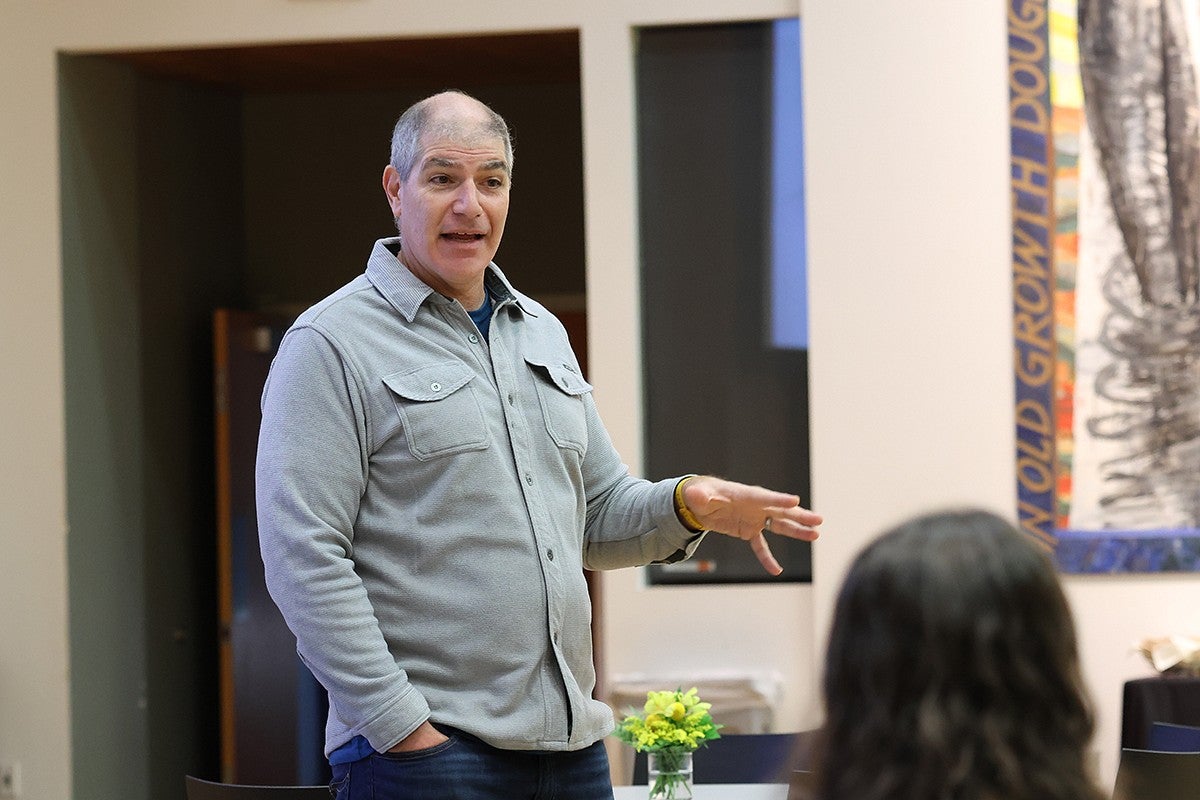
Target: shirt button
529, 479
550, 554
473, 339
511, 400
437, 387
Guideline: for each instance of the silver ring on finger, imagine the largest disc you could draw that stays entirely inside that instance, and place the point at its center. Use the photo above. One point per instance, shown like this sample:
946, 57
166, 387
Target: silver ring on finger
767, 525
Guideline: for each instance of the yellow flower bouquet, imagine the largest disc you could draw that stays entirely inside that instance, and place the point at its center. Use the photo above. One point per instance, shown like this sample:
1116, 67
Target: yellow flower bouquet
672, 726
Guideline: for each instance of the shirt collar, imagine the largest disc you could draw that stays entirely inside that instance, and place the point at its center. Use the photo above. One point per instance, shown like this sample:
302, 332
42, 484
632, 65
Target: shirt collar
406, 292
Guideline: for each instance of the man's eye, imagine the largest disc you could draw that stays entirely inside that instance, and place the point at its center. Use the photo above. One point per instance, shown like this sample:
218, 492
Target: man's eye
441, 180
494, 183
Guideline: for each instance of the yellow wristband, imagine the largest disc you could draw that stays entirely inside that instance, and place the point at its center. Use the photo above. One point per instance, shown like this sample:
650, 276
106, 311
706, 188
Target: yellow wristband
683, 512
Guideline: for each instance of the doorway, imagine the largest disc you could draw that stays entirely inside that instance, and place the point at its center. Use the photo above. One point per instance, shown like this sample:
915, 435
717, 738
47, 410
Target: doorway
243, 177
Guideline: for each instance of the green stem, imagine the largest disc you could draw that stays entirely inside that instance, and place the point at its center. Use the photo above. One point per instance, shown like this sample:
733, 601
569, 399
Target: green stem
669, 780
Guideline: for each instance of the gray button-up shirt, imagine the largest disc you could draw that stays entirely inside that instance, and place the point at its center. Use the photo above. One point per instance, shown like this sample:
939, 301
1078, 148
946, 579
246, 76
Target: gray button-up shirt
427, 502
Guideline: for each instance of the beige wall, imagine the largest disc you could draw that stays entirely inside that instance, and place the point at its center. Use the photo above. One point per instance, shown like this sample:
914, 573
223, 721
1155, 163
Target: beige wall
911, 321
911, 393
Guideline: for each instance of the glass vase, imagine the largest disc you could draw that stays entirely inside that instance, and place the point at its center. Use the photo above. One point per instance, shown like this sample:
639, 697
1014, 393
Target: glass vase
670, 774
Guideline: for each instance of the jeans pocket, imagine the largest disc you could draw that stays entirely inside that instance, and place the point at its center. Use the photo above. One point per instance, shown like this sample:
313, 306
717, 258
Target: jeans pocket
418, 755
339, 783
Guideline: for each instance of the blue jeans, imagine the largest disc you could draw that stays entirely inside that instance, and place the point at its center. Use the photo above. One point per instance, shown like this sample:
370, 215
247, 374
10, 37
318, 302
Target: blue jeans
465, 768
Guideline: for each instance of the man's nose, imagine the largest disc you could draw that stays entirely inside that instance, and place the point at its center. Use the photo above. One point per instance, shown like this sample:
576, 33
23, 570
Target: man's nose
467, 200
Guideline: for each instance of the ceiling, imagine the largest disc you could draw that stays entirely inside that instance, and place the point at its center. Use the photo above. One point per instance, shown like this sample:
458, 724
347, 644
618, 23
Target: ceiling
520, 58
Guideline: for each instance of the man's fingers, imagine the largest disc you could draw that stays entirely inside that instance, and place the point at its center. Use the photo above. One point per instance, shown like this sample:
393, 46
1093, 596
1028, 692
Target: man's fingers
792, 526
763, 551
787, 522
807, 518
800, 517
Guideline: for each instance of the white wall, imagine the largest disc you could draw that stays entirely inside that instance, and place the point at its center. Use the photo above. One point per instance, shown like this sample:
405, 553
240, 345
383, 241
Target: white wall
911, 388
33, 625
911, 359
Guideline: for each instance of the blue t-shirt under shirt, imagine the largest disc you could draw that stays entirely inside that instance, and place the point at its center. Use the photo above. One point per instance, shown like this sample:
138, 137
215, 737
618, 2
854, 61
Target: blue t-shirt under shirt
482, 316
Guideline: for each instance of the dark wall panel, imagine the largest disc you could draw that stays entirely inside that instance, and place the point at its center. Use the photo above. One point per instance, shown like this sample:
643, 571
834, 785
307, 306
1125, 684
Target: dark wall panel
720, 398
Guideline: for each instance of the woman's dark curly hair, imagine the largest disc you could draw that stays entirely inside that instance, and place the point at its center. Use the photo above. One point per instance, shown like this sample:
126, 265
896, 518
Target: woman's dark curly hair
952, 671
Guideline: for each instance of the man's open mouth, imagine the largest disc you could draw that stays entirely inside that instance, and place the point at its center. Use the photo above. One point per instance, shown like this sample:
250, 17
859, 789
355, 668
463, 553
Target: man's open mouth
463, 237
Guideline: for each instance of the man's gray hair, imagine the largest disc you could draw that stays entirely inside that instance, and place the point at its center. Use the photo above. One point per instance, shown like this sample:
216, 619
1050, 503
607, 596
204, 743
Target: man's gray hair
421, 120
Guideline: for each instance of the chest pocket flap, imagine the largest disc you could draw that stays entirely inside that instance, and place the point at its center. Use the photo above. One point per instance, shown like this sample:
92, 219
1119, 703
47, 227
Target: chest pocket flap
561, 375
432, 382
440, 412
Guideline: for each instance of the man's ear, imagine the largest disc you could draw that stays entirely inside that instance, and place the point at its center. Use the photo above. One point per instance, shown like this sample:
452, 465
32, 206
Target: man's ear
391, 187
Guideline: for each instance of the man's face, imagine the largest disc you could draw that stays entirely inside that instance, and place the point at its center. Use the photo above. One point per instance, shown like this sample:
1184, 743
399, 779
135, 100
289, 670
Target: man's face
451, 212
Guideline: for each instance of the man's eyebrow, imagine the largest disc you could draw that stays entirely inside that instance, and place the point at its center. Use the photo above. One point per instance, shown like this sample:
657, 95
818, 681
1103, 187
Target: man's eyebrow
438, 162
442, 163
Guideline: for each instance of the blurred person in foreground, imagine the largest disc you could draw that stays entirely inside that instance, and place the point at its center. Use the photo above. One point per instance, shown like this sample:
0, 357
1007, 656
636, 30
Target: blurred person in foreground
952, 671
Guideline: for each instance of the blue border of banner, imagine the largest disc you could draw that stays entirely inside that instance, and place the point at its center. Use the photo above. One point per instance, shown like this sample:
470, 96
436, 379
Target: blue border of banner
1032, 190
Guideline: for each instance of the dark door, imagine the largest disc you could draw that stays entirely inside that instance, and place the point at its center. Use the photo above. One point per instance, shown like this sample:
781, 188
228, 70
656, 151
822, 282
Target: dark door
272, 709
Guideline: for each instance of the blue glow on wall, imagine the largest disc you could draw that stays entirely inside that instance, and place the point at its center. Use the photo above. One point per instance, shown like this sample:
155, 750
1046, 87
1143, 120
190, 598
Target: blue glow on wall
789, 278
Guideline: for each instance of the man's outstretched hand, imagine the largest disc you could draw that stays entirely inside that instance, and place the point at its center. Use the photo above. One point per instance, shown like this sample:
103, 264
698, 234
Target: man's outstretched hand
748, 512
